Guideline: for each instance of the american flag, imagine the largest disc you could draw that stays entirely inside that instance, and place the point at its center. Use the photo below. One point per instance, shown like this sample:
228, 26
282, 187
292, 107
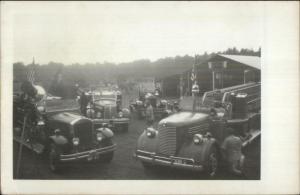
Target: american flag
193, 75
31, 72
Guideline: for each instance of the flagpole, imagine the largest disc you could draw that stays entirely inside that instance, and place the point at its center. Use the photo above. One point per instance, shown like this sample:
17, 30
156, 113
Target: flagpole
195, 87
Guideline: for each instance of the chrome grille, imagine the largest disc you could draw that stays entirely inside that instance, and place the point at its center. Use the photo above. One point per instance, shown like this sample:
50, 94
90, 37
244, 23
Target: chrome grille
84, 132
109, 112
198, 129
167, 140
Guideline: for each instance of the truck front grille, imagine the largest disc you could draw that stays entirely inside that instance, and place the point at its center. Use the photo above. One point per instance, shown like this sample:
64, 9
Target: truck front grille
166, 140
109, 112
84, 132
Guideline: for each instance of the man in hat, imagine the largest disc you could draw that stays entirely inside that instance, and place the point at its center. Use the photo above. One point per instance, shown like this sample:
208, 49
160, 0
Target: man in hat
149, 113
83, 103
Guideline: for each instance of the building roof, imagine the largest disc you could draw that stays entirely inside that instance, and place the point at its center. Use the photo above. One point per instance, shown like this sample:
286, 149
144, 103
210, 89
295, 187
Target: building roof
253, 61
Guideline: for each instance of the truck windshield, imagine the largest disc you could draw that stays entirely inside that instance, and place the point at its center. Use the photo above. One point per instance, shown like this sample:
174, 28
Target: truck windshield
105, 96
186, 104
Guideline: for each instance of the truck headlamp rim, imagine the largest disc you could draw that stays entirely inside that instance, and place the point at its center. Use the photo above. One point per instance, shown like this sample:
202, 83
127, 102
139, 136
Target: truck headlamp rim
151, 132
99, 136
120, 114
198, 139
41, 108
138, 102
75, 141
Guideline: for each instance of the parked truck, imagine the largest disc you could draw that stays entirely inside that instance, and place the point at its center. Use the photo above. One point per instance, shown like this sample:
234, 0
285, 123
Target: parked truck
192, 139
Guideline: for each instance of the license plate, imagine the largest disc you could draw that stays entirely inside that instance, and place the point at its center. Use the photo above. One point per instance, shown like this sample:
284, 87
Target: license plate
179, 161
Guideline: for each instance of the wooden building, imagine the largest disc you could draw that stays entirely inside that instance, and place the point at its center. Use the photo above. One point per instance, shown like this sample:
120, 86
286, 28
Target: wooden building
218, 72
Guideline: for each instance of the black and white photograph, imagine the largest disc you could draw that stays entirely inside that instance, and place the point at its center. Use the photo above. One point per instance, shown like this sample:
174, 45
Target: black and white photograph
145, 91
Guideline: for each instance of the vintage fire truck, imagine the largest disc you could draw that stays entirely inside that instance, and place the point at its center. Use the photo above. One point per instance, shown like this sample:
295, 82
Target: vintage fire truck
161, 107
191, 139
104, 107
60, 134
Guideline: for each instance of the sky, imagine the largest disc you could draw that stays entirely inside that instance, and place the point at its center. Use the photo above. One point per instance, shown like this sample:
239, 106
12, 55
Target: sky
90, 32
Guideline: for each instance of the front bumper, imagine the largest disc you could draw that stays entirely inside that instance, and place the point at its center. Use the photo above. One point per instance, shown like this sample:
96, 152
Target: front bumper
114, 121
89, 155
171, 161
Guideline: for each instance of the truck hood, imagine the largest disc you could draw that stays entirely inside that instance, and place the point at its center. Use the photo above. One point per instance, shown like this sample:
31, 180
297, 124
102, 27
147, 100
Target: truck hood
183, 118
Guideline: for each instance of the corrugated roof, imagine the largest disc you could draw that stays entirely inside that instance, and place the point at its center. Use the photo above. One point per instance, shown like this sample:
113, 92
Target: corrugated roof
253, 61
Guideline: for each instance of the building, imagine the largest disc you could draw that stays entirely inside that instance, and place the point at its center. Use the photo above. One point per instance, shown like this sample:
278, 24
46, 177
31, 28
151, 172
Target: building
219, 71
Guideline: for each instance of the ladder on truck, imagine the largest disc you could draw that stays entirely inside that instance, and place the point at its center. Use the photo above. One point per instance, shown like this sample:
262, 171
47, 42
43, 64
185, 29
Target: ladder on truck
252, 92
222, 95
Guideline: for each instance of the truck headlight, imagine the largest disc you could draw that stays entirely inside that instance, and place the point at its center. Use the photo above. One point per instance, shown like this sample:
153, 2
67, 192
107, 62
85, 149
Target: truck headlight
99, 136
121, 114
75, 141
198, 139
151, 132
98, 114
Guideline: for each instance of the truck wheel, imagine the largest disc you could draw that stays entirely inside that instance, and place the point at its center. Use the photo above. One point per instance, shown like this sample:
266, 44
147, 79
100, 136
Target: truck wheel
106, 158
212, 164
53, 158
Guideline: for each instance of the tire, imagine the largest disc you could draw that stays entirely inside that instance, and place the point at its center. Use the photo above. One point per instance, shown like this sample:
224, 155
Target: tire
147, 165
212, 162
53, 158
106, 158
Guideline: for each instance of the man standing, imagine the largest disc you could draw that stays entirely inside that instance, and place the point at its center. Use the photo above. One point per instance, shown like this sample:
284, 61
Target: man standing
232, 152
83, 103
149, 113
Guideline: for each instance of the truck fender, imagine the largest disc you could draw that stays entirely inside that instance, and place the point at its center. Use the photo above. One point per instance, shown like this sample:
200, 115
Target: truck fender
202, 151
106, 132
147, 144
58, 139
208, 146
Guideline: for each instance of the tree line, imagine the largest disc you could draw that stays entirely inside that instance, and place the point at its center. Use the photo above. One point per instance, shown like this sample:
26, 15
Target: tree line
92, 73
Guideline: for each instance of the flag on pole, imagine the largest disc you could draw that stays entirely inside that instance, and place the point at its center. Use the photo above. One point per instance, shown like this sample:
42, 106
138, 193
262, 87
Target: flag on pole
193, 75
31, 72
